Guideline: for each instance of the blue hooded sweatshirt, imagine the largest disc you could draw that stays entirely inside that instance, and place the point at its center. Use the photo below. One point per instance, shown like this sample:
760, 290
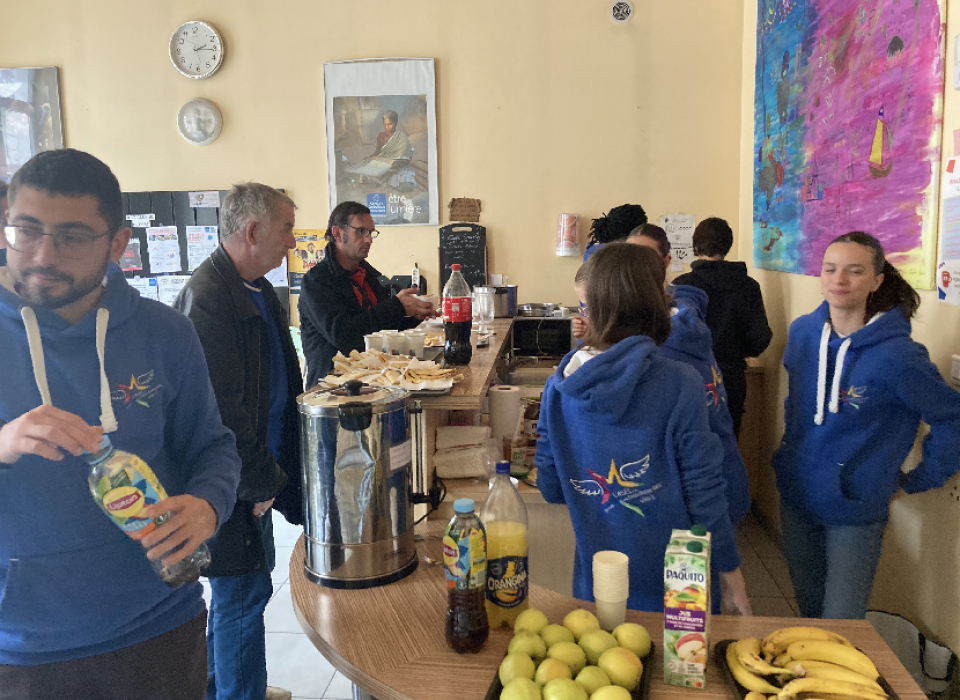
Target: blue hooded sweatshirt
852, 413
690, 342
73, 584
625, 443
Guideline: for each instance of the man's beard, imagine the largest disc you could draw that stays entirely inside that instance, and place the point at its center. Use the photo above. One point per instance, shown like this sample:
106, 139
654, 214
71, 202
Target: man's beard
43, 299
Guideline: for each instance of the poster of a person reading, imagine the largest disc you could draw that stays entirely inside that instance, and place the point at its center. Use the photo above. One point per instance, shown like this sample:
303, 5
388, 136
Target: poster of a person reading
381, 136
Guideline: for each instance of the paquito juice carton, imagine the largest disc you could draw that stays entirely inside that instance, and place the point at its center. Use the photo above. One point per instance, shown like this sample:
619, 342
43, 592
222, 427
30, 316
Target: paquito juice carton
686, 611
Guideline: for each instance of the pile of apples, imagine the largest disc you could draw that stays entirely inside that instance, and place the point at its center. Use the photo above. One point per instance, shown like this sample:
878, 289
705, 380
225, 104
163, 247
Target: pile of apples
573, 661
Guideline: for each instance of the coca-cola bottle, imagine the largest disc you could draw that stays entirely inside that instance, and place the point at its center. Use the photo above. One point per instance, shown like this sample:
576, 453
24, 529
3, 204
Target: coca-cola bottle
457, 319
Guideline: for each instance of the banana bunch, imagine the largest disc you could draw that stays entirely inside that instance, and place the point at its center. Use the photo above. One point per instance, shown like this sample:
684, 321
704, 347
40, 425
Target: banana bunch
793, 663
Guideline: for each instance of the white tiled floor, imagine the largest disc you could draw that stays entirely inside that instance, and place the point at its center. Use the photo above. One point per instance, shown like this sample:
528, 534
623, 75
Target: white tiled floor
295, 664
292, 660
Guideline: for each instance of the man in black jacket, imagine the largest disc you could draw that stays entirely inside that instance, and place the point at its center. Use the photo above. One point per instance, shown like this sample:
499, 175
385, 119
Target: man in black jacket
342, 300
735, 313
256, 378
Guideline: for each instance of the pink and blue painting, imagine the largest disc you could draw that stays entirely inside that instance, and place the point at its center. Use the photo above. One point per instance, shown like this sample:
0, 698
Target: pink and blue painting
847, 130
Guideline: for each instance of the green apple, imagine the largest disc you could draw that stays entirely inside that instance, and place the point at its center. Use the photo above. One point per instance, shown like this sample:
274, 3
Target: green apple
529, 643
634, 637
592, 678
516, 665
549, 669
580, 622
564, 689
611, 692
595, 643
531, 619
520, 689
570, 654
622, 666
552, 634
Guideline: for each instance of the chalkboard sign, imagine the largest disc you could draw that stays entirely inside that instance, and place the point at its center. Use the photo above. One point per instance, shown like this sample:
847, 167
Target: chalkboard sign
465, 244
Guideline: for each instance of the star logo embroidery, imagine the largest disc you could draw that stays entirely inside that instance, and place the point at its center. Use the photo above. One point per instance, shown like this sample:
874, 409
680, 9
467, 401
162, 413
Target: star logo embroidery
713, 388
854, 396
138, 391
618, 484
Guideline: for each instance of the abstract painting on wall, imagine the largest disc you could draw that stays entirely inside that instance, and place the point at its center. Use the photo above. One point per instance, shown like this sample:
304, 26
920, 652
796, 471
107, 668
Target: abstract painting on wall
848, 109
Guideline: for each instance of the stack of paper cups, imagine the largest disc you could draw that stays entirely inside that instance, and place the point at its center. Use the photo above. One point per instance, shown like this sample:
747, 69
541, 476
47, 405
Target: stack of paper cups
568, 240
611, 587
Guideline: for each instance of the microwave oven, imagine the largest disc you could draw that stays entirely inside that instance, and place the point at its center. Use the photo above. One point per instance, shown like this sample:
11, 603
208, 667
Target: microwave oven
549, 336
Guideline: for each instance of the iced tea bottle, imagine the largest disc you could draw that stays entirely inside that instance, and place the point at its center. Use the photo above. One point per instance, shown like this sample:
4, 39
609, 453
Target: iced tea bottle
465, 568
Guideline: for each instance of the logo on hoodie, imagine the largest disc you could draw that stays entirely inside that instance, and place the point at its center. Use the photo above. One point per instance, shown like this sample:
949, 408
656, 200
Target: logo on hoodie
713, 388
138, 391
854, 396
620, 486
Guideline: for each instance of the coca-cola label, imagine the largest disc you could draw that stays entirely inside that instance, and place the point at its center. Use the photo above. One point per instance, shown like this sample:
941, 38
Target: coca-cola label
456, 309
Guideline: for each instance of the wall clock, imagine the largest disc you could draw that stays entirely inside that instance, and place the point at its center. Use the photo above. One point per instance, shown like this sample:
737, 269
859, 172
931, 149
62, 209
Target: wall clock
199, 121
196, 49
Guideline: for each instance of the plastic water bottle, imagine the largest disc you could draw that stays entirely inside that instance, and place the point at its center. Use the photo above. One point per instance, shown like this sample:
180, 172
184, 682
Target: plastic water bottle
122, 484
505, 517
465, 568
457, 319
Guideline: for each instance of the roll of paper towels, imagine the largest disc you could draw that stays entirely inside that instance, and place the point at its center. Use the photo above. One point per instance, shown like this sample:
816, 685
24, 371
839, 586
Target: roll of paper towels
504, 402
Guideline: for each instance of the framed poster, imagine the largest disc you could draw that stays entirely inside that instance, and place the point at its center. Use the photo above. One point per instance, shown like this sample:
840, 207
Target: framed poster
382, 138
29, 116
848, 109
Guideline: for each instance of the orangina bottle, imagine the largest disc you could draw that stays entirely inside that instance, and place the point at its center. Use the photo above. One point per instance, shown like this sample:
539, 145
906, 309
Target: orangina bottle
505, 517
122, 485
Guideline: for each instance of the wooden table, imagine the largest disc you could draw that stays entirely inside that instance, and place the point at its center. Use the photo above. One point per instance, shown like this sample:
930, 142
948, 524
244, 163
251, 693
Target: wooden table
389, 641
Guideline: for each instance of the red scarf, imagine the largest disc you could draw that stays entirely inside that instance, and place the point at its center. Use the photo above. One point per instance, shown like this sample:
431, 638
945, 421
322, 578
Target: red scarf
359, 281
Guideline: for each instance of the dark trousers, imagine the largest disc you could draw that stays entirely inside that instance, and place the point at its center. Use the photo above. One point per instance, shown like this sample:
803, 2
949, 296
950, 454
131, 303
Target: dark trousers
172, 666
735, 383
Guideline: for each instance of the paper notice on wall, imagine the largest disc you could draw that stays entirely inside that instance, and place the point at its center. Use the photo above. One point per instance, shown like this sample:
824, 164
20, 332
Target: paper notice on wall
201, 242
679, 228
170, 286
163, 246
278, 275
208, 198
147, 286
140, 220
948, 281
132, 260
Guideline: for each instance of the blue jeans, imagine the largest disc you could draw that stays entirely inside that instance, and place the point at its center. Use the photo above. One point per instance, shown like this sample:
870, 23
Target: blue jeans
236, 640
831, 566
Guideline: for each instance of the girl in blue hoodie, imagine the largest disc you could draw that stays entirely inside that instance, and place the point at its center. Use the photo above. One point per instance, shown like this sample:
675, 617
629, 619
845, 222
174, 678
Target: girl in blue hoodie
625, 440
858, 389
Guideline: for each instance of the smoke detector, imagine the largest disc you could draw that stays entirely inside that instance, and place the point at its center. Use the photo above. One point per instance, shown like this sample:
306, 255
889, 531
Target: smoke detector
621, 11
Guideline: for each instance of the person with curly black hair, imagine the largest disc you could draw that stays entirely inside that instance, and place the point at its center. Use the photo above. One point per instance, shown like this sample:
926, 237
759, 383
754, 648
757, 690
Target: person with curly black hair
615, 225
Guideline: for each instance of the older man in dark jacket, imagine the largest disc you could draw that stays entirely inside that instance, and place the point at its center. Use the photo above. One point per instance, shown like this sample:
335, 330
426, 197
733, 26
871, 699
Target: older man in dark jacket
256, 378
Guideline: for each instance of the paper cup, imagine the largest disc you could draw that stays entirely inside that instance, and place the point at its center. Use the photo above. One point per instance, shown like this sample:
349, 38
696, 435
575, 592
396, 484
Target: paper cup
373, 341
396, 343
611, 613
415, 341
611, 575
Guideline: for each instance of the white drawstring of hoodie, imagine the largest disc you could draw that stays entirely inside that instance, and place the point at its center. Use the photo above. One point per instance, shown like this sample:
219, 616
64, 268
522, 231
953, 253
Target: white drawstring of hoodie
107, 417
834, 406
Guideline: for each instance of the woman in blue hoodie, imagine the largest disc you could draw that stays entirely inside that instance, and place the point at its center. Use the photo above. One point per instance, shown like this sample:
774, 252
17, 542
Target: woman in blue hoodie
630, 465
858, 389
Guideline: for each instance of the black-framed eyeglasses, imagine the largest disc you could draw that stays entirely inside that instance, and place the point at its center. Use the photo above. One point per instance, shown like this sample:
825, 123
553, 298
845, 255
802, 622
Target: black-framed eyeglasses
364, 232
26, 239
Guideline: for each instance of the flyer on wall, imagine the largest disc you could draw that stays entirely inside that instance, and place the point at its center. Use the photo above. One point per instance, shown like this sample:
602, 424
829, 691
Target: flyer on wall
163, 247
309, 251
382, 138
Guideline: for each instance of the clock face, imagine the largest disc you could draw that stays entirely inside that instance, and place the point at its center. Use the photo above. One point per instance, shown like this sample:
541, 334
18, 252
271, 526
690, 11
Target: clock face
196, 50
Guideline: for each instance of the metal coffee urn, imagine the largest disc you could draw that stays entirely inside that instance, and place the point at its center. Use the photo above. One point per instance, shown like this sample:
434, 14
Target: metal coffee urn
358, 510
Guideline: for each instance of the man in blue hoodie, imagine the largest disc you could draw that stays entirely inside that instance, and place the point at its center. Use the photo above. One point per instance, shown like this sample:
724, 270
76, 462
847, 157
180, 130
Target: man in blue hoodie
83, 615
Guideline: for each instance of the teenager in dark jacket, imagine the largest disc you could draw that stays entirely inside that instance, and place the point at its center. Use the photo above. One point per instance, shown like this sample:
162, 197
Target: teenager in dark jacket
859, 387
735, 314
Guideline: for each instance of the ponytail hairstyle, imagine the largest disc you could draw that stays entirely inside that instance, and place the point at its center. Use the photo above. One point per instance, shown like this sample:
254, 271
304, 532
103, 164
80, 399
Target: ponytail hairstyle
618, 223
894, 292
625, 296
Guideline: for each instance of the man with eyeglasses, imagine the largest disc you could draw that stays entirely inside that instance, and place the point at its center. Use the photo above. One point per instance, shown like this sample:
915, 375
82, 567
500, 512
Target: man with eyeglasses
341, 298
83, 614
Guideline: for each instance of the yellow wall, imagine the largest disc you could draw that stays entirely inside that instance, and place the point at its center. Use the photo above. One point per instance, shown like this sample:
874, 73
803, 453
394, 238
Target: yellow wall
917, 576
544, 106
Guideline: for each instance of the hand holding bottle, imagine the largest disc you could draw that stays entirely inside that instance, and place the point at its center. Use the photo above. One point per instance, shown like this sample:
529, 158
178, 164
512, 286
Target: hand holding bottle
190, 521
47, 431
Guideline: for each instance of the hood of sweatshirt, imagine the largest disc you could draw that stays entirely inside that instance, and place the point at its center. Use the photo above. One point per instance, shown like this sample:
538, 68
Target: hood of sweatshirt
117, 304
880, 328
689, 334
605, 385
720, 275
